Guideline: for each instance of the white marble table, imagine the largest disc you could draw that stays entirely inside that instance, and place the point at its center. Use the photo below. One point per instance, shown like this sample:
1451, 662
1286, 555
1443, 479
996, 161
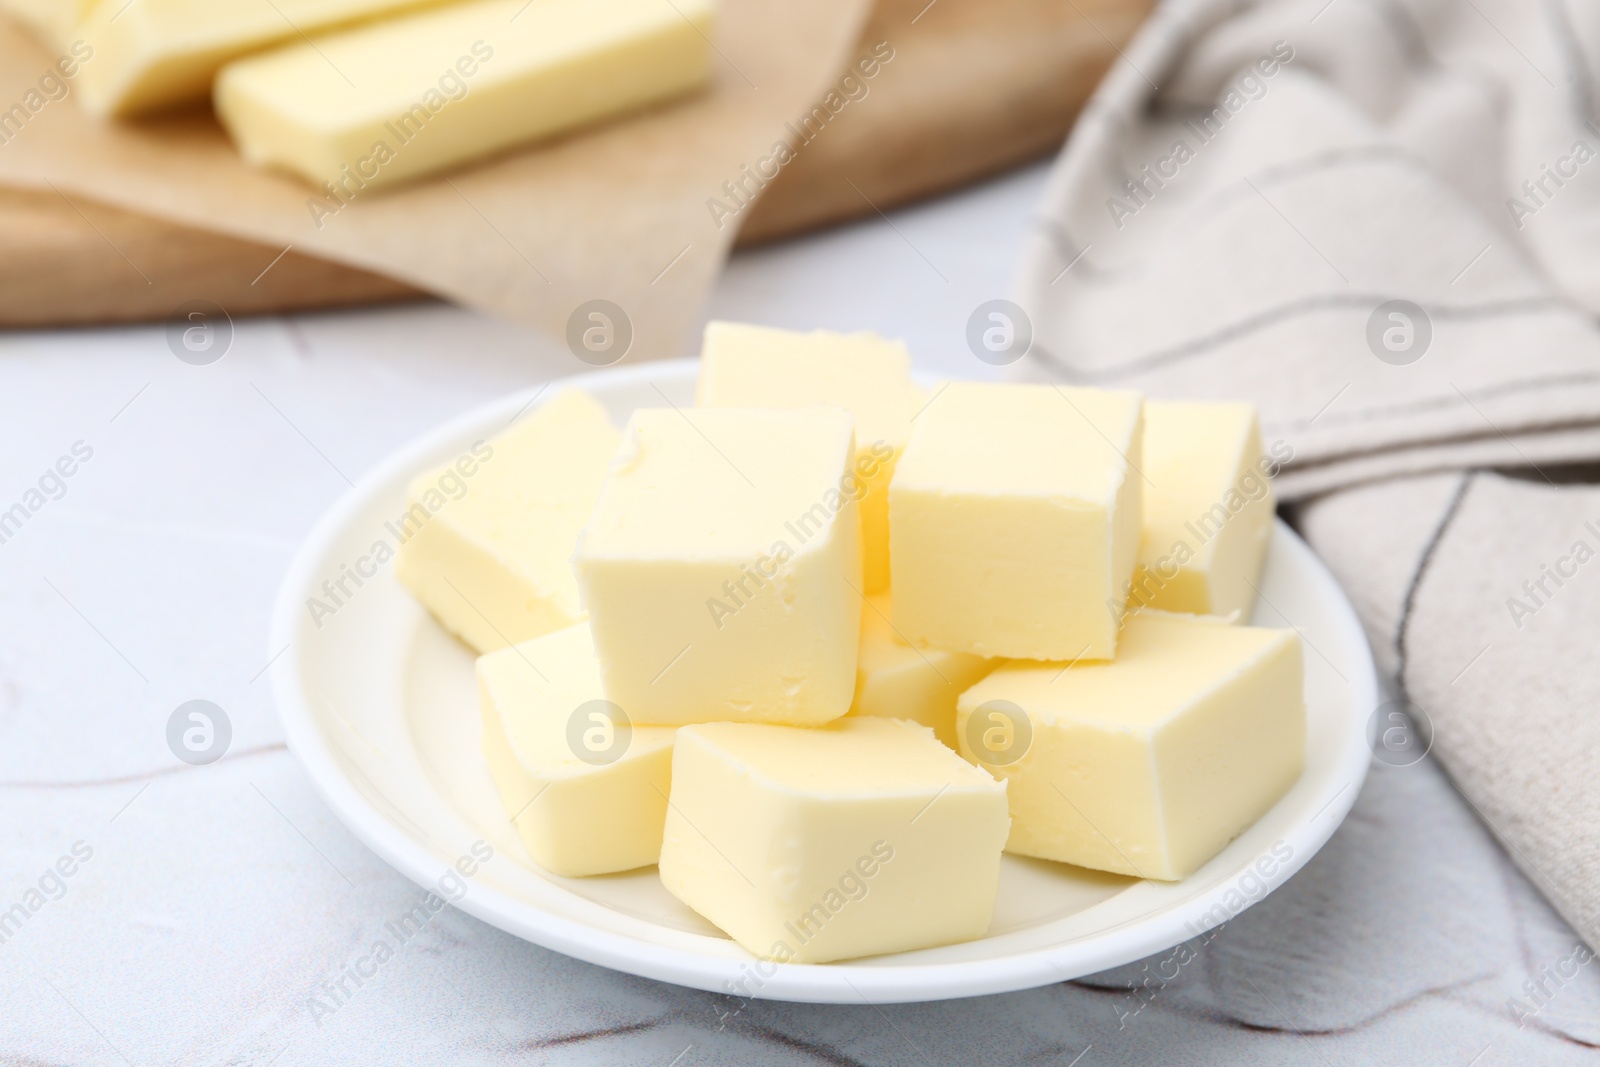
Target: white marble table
215, 901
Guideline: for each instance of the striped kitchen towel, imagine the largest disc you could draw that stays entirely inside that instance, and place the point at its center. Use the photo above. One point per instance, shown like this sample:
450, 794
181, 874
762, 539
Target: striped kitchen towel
1380, 220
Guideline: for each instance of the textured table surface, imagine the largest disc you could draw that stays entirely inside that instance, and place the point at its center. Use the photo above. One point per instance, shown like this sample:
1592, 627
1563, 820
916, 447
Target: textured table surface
215, 901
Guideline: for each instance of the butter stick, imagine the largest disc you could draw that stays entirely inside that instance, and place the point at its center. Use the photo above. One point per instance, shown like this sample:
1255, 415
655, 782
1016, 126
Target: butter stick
155, 54
408, 97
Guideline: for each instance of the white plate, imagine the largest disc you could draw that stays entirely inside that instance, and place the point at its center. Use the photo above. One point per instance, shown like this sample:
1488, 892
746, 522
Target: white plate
381, 707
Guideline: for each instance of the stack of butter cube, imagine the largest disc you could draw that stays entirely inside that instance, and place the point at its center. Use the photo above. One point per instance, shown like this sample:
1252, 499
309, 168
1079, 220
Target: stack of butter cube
823, 646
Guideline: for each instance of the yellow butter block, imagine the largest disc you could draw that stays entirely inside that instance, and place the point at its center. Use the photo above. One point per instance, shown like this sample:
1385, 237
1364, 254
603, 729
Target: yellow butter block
868, 376
855, 839
154, 54
488, 549
896, 680
1014, 520
1208, 509
719, 568
411, 96
1149, 764
586, 789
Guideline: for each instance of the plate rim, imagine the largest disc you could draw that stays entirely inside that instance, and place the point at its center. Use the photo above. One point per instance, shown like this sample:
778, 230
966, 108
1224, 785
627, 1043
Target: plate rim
844, 982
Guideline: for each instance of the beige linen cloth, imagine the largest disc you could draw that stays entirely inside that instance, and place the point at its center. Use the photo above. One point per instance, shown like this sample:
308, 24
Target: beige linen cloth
1249, 193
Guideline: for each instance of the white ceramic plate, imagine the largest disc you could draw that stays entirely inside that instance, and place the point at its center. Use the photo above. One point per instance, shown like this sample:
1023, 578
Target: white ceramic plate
381, 707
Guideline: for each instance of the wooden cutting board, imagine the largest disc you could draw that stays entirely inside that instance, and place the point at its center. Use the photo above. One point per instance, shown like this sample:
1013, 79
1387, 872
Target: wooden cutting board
975, 87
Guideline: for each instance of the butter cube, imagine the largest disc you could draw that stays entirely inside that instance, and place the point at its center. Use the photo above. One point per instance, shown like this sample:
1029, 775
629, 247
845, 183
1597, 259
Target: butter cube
897, 680
586, 789
400, 99
1149, 764
154, 54
719, 567
756, 366
1014, 520
859, 838
488, 550
1207, 510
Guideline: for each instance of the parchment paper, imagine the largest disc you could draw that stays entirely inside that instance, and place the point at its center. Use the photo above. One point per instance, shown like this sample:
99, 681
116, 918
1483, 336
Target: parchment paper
616, 213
